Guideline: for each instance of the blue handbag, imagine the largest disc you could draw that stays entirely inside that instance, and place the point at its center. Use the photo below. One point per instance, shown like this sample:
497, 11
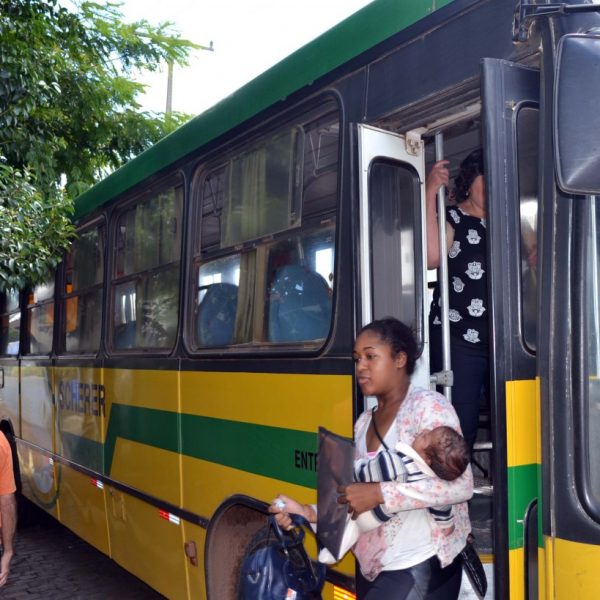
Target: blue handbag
278, 567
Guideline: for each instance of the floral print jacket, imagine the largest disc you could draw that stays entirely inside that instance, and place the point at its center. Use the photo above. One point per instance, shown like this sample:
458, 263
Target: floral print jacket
421, 409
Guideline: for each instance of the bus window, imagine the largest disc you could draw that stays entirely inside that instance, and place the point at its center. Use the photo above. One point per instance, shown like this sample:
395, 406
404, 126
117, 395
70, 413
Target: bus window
591, 345
264, 190
394, 248
40, 318
84, 274
146, 278
527, 147
264, 249
10, 316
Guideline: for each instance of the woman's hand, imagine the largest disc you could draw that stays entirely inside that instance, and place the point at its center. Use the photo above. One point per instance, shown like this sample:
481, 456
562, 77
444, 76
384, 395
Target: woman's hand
360, 497
438, 176
282, 506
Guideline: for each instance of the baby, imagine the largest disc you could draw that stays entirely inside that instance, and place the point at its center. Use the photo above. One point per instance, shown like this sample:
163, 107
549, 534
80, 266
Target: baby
440, 452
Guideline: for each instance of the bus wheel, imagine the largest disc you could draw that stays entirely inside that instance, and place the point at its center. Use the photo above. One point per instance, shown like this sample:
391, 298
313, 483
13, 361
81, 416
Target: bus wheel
231, 533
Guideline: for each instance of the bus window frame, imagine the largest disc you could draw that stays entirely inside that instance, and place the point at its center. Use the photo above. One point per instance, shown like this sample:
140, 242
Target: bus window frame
329, 102
100, 222
579, 369
172, 180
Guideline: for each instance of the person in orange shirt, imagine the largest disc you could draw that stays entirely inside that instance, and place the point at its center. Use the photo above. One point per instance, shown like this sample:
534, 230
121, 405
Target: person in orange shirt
8, 507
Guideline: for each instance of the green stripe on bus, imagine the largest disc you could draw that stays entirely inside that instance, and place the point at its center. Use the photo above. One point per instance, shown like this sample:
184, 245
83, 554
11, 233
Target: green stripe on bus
522, 489
156, 428
284, 454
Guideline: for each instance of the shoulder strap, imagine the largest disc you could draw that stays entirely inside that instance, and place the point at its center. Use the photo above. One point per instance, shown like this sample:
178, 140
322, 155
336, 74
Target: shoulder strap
377, 431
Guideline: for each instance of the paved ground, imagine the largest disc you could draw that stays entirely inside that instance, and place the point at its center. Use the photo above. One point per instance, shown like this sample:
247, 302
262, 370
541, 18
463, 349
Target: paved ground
51, 563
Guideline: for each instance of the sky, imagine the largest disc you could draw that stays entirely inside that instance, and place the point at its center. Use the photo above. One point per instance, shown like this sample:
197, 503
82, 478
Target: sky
248, 37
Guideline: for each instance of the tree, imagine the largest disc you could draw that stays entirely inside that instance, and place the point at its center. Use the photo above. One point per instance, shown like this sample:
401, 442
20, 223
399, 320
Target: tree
68, 108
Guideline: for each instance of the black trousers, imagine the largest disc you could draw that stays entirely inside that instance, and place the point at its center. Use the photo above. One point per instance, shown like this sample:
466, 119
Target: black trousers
470, 365
425, 581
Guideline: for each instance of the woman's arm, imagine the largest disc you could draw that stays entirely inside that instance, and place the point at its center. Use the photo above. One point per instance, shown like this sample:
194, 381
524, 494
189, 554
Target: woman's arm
430, 410
437, 177
426, 493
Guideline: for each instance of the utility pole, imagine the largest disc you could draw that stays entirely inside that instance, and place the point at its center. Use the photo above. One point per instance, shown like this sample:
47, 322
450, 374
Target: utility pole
169, 107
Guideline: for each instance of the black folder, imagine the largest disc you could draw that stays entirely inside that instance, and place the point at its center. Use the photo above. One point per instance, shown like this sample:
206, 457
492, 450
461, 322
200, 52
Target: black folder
335, 467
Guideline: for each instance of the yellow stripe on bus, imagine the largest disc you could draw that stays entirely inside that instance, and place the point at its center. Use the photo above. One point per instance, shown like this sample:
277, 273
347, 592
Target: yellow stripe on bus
270, 398
516, 569
576, 569
522, 423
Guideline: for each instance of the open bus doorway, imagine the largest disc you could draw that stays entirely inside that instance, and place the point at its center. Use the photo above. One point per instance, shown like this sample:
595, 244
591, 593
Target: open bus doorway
459, 141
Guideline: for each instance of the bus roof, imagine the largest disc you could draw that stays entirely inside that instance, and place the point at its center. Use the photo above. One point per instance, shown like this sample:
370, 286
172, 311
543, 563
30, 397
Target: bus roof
361, 31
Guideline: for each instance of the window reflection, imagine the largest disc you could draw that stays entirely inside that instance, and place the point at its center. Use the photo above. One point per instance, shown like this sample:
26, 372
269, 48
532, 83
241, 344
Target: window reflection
393, 191
10, 323
527, 147
40, 318
592, 316
146, 279
84, 272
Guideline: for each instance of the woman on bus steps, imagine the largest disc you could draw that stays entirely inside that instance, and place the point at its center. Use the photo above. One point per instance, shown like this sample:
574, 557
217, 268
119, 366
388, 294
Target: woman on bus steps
467, 287
408, 556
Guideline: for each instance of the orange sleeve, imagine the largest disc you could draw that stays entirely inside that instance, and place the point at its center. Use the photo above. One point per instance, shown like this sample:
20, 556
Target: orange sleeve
7, 477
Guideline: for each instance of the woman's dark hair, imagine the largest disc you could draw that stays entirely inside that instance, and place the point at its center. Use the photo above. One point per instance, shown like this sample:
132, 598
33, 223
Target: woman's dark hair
398, 335
470, 168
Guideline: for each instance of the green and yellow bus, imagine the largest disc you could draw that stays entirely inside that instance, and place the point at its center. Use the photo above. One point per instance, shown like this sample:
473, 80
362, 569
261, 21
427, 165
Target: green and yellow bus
171, 379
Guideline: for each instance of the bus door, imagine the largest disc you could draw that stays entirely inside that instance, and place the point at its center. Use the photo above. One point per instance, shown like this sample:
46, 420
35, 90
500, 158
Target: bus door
510, 109
393, 277
570, 366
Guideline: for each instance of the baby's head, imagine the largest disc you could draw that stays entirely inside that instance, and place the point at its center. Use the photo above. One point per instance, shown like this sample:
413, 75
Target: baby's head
444, 450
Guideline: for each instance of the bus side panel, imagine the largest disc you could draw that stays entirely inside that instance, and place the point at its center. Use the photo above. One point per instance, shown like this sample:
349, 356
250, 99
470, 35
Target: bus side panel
196, 535
83, 507
40, 477
80, 423
148, 542
9, 393
254, 435
575, 569
142, 451
249, 432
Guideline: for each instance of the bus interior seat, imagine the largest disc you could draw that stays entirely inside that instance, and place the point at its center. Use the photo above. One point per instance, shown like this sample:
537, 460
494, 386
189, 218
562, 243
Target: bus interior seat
216, 315
125, 336
299, 306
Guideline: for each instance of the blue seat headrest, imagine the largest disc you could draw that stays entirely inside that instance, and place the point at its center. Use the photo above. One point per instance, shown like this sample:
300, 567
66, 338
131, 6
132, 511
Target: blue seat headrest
216, 315
299, 305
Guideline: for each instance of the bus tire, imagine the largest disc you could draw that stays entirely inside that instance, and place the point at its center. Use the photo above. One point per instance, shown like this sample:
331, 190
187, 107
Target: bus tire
230, 535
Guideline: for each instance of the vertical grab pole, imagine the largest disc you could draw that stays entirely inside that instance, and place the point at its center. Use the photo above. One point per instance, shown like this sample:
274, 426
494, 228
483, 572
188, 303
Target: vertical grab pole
443, 273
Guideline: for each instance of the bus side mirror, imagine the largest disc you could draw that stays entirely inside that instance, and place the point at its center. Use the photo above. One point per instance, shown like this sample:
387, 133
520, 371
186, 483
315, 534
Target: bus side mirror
576, 114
